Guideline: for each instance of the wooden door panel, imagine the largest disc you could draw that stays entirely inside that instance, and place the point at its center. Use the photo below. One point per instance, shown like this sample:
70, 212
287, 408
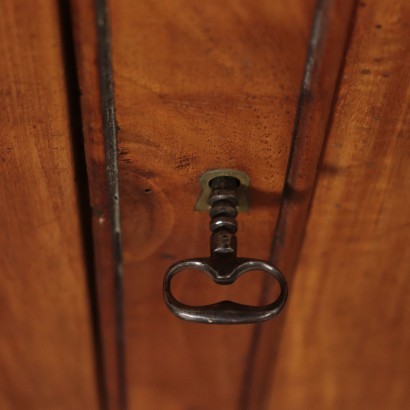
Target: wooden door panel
187, 88
346, 339
155, 157
197, 87
46, 347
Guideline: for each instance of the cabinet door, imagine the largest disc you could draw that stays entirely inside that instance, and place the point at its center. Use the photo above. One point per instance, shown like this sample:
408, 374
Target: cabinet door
171, 90
46, 346
195, 87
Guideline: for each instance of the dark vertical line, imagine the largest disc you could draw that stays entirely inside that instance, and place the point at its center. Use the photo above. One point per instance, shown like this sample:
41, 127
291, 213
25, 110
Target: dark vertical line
81, 179
304, 89
111, 151
352, 24
317, 30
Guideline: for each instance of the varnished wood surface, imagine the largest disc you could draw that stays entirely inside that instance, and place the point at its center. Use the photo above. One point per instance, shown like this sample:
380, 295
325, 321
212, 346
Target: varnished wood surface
198, 86
346, 340
46, 349
329, 40
88, 50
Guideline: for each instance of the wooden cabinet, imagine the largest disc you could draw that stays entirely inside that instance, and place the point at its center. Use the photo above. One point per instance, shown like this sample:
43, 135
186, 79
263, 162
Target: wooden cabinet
309, 98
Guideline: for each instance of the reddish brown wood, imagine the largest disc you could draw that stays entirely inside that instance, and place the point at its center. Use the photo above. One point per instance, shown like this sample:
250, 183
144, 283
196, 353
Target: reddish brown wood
87, 54
198, 87
46, 346
346, 340
329, 36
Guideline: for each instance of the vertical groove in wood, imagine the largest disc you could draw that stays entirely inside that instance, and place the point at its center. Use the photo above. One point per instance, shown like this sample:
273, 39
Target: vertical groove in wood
331, 31
92, 46
77, 138
111, 156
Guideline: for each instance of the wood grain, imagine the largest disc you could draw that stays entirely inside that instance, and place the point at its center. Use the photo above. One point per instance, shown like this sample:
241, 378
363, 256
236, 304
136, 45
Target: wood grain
46, 349
88, 50
329, 38
346, 340
198, 86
